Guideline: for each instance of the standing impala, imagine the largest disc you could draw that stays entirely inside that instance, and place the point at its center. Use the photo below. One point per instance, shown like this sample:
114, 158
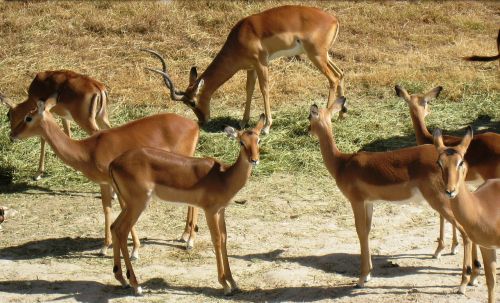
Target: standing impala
92, 156
81, 99
202, 182
478, 212
483, 155
408, 174
251, 44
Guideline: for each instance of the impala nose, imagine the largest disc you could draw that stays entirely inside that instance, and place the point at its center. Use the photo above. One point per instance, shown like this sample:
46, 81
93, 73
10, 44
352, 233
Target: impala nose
254, 162
451, 193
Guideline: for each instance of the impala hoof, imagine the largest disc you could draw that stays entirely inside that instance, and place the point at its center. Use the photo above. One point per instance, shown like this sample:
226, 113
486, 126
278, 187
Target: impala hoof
37, 176
190, 244
134, 256
184, 238
454, 249
368, 278
103, 251
461, 290
473, 282
228, 291
138, 291
265, 130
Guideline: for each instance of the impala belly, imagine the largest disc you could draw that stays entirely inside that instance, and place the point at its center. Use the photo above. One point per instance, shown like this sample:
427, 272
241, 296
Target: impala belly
400, 193
175, 195
296, 49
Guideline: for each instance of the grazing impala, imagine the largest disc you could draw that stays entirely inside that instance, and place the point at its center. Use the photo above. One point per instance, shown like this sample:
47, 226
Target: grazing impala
478, 212
81, 99
398, 176
251, 44
202, 182
92, 156
483, 155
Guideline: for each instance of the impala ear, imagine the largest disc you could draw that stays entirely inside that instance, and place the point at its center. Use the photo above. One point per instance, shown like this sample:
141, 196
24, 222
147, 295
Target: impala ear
199, 86
433, 93
46, 105
193, 75
338, 105
260, 124
438, 139
466, 140
231, 132
401, 92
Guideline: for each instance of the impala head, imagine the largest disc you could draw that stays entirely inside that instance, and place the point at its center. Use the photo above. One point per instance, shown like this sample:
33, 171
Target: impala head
249, 139
418, 103
322, 118
451, 161
190, 95
29, 126
16, 113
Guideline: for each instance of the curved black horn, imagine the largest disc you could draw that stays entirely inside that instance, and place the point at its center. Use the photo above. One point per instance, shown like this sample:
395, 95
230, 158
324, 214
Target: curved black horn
174, 93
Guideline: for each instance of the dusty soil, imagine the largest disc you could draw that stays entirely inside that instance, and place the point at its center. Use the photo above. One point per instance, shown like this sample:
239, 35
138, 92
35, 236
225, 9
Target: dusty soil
288, 241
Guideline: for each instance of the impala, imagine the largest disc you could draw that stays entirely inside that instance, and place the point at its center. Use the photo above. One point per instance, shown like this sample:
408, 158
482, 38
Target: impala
251, 44
483, 156
202, 182
398, 176
478, 212
81, 99
92, 156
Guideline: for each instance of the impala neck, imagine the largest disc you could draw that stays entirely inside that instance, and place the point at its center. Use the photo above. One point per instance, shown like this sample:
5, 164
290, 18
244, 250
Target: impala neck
237, 174
71, 152
221, 69
464, 204
331, 154
421, 132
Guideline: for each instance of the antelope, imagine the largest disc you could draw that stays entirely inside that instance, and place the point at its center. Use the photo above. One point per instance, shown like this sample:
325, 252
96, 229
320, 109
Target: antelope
206, 183
408, 174
81, 99
483, 155
486, 58
251, 44
477, 212
92, 156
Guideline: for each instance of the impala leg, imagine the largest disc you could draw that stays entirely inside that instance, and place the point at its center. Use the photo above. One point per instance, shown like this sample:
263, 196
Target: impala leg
41, 162
339, 74
106, 205
187, 229
135, 239
439, 249
369, 215
117, 266
250, 87
467, 263
215, 233
454, 243
360, 221
227, 269
476, 266
193, 228
263, 76
490, 268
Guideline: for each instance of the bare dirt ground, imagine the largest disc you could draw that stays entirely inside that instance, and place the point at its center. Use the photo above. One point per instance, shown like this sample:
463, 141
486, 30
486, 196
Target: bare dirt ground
285, 244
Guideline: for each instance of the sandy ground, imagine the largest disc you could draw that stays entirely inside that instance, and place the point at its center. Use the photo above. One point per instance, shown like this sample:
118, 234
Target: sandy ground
289, 240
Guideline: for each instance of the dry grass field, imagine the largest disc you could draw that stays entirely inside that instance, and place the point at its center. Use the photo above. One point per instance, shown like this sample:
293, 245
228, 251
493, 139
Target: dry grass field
292, 236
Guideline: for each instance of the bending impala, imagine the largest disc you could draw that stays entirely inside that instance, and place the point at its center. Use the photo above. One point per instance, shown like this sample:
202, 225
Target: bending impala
483, 156
202, 182
478, 212
397, 176
81, 99
251, 44
92, 156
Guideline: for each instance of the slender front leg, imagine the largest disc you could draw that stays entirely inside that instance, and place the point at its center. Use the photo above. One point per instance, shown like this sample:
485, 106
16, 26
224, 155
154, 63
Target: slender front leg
359, 210
476, 266
467, 262
369, 216
106, 206
135, 238
194, 228
250, 87
227, 269
41, 162
454, 243
490, 271
262, 74
439, 249
215, 233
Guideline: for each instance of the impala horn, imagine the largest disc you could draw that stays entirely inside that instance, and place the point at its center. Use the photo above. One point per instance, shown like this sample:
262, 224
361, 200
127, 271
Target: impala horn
174, 93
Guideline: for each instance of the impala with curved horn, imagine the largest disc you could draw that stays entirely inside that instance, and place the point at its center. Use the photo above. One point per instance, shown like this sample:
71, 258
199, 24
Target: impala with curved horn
477, 212
251, 44
80, 98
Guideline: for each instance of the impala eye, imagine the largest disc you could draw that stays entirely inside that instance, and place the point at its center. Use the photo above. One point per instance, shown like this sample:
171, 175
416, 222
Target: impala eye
27, 119
241, 143
258, 141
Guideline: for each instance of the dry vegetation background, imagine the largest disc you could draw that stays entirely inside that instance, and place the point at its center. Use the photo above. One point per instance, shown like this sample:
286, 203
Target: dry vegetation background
418, 44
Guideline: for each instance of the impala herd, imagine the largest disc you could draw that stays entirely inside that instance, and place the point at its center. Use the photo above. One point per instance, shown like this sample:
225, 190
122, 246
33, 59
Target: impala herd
153, 156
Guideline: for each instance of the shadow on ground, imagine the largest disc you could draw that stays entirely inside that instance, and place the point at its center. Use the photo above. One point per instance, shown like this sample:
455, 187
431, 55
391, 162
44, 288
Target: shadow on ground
480, 125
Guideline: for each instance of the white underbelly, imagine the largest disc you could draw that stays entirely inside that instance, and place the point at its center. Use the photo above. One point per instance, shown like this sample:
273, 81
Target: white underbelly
297, 49
416, 197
